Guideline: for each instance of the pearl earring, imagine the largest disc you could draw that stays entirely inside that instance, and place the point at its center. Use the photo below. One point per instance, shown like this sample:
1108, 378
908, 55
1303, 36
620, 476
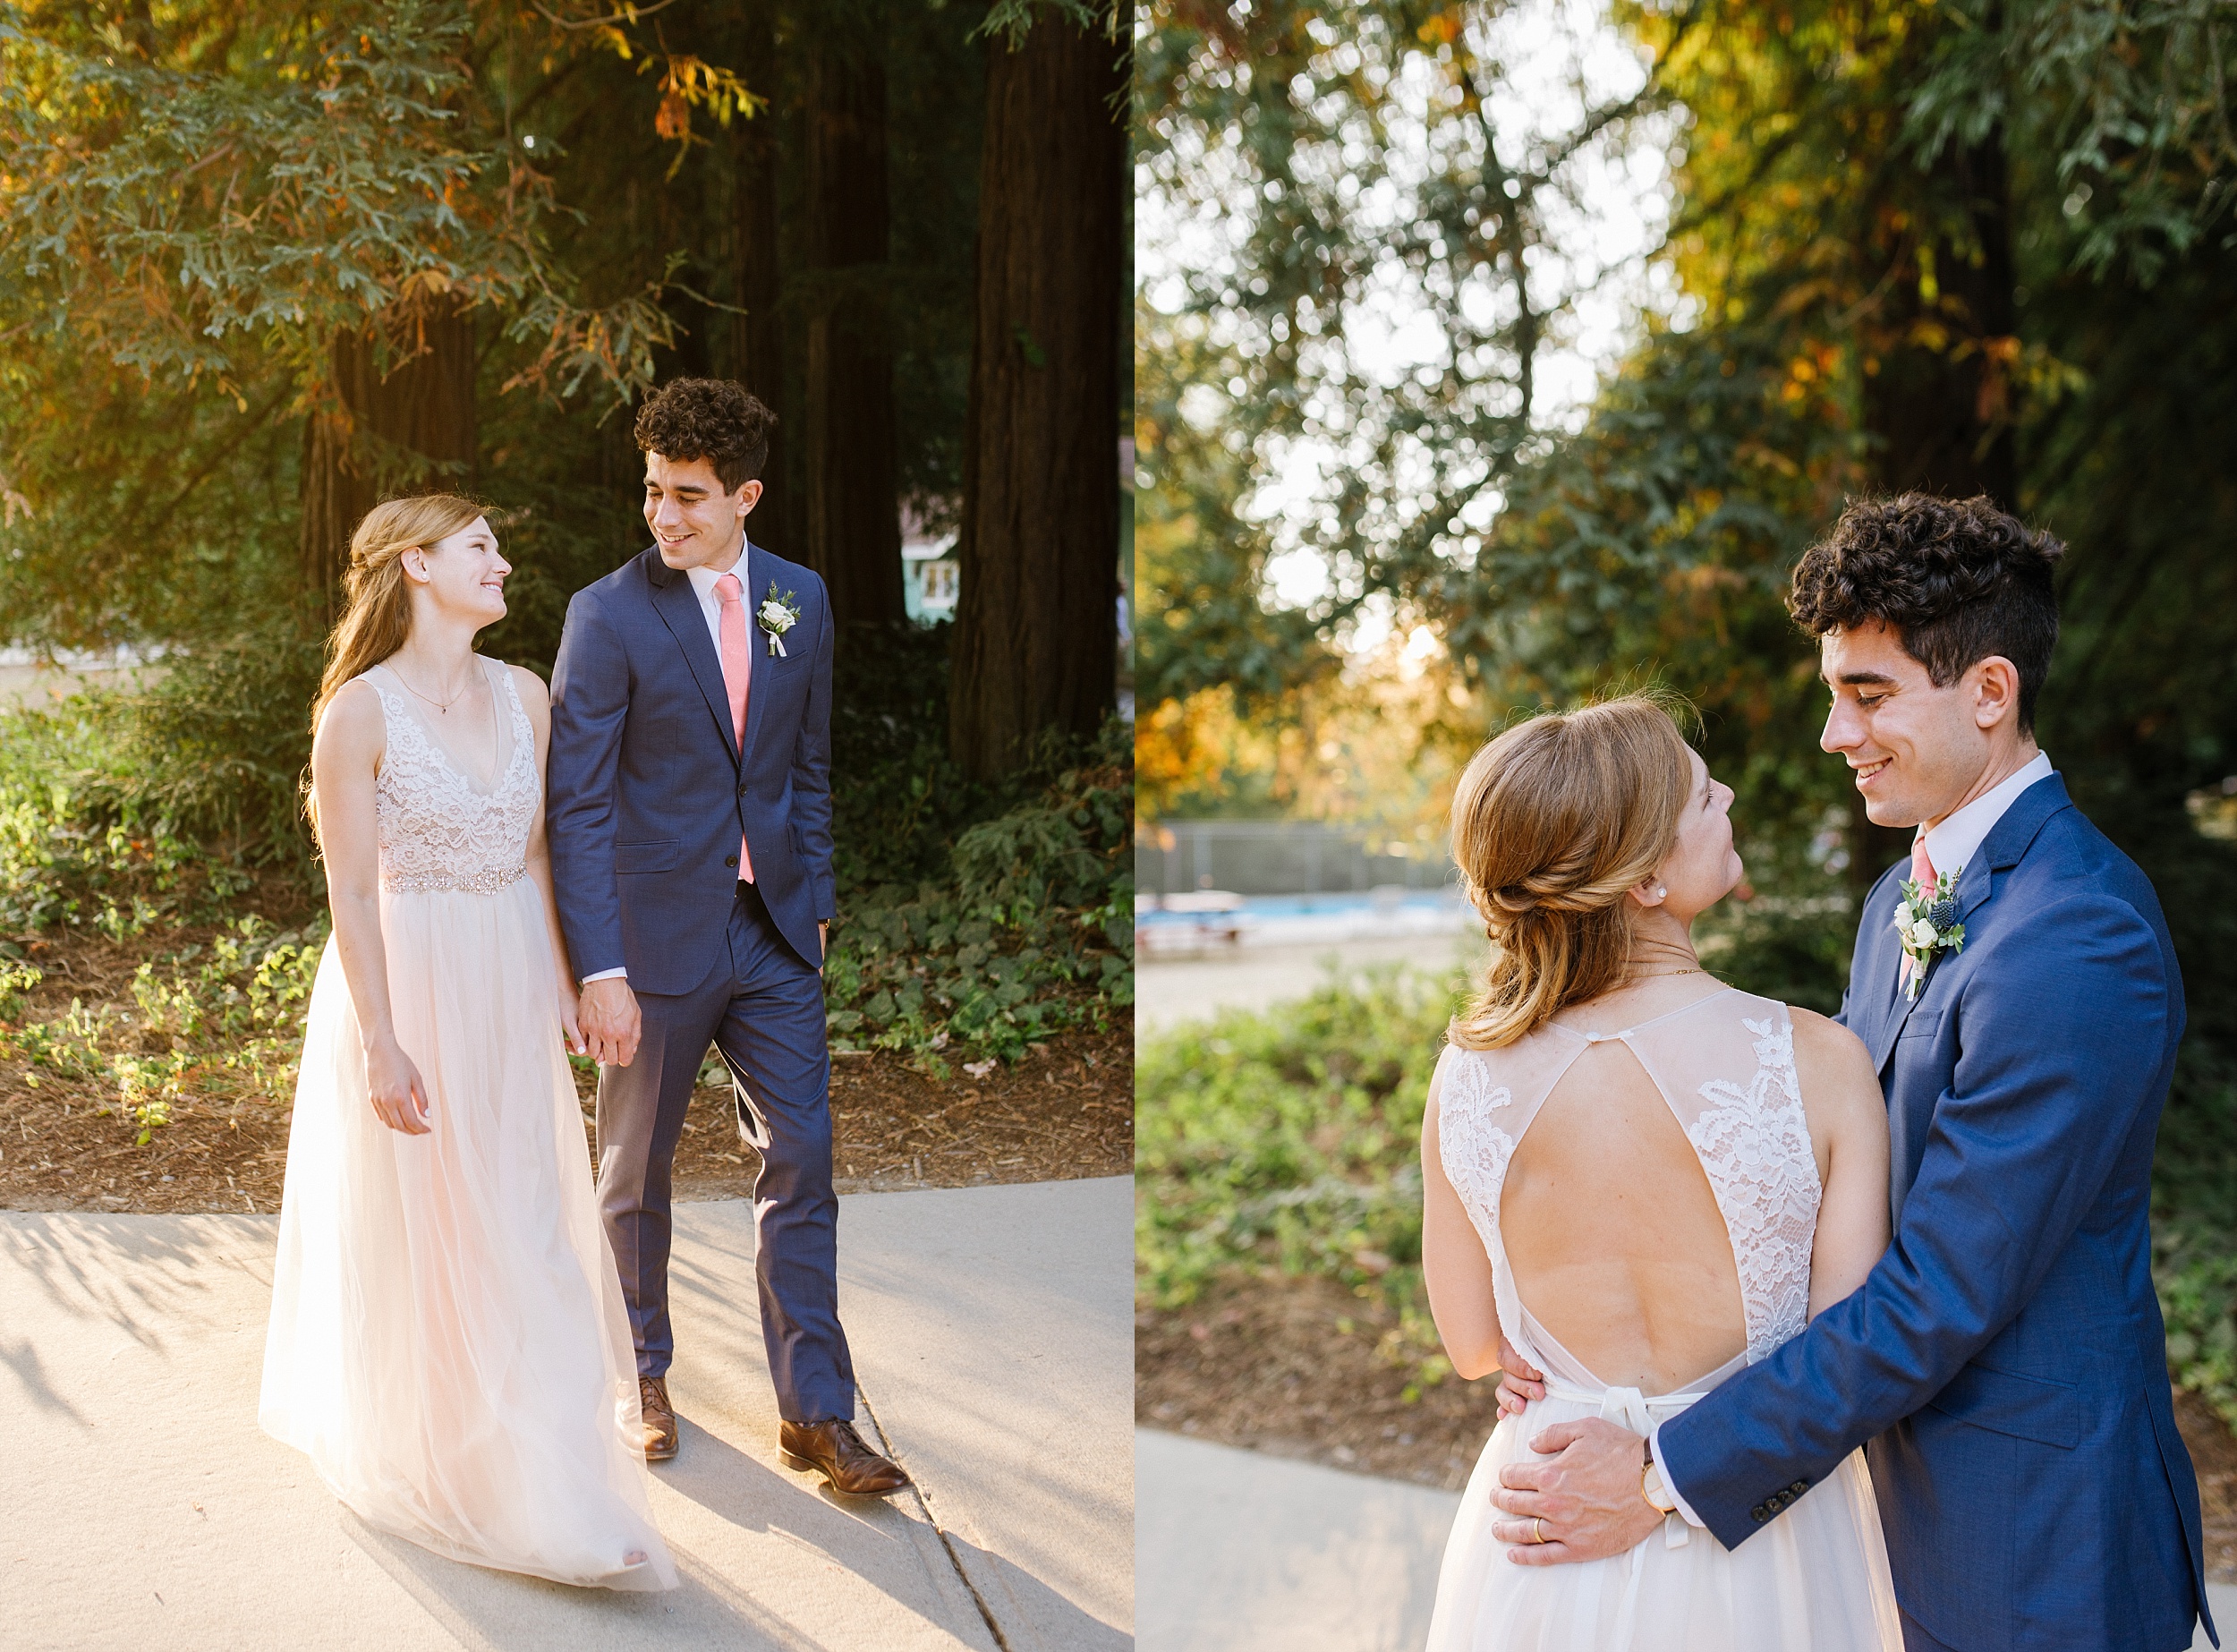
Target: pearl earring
1661, 890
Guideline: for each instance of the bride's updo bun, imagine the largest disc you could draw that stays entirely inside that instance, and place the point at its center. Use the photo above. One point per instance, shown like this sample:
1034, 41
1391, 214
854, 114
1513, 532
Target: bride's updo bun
1554, 823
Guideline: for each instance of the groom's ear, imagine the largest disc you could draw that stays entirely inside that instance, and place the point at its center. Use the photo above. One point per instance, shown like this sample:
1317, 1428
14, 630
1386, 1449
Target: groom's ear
749, 496
1996, 692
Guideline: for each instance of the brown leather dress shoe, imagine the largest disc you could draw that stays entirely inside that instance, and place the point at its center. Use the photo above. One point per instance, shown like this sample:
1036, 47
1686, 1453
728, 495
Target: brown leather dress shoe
660, 1437
834, 1450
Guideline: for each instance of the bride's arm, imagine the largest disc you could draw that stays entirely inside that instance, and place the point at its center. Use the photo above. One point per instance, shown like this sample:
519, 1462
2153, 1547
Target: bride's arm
536, 700
344, 757
1454, 1266
1848, 1117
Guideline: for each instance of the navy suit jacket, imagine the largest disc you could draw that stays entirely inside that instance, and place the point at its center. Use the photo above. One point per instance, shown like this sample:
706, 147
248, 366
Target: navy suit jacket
2005, 1362
648, 793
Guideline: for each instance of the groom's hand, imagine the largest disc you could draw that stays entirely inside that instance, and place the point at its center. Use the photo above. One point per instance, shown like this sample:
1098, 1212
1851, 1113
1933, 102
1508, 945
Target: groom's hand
610, 1024
1583, 1495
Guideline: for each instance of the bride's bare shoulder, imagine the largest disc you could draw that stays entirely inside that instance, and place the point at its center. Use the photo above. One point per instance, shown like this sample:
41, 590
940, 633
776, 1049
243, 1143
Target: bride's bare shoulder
531, 687
1823, 1037
1833, 1066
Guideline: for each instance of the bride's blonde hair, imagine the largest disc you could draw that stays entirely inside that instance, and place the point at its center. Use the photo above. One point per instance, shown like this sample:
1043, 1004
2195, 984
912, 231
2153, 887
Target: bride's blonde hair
377, 609
1554, 823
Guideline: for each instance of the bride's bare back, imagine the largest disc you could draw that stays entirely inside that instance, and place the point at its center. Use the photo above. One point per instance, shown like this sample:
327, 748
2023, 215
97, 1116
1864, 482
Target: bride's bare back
1615, 1238
1648, 1173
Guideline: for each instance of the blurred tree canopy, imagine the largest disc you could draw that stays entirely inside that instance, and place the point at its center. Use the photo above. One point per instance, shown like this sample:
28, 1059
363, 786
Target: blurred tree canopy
1910, 245
262, 264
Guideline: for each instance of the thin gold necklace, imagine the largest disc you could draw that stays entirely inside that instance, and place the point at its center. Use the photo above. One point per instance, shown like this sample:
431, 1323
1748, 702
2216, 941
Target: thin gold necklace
443, 706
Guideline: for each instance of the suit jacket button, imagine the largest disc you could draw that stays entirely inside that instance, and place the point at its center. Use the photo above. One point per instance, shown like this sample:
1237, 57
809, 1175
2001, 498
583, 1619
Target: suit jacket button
741, 791
729, 860
1798, 1488
1759, 1514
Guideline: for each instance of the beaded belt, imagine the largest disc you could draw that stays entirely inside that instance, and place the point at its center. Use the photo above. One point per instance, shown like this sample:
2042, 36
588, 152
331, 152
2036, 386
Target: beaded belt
472, 883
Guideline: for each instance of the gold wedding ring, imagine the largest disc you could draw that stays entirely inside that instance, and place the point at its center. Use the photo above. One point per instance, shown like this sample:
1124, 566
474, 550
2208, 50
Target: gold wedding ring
1537, 1523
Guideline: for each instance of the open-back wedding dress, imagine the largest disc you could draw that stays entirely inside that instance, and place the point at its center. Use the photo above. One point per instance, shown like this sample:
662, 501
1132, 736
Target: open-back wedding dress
1815, 1578
447, 1341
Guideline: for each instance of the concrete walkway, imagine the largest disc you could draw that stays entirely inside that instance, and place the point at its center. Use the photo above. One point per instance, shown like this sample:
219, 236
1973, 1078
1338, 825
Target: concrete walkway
993, 1339
1238, 1552
1168, 992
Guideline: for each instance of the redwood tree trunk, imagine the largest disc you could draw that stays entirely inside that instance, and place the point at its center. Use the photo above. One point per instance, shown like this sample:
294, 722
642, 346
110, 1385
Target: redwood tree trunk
1937, 398
1036, 621
412, 429
760, 339
1940, 406
853, 504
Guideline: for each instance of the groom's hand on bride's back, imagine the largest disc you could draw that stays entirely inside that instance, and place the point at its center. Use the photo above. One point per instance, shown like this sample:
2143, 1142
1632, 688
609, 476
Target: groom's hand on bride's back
611, 1026
1580, 1497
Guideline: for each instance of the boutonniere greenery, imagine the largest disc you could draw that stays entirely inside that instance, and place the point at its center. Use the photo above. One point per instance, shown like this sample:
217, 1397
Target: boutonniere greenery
1927, 921
776, 616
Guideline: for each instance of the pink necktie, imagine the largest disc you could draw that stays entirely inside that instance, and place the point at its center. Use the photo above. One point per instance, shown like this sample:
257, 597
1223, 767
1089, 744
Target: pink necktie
1922, 873
738, 673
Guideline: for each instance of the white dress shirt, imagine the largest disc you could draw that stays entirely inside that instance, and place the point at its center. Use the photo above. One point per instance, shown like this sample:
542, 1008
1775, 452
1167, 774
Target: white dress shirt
1949, 846
711, 605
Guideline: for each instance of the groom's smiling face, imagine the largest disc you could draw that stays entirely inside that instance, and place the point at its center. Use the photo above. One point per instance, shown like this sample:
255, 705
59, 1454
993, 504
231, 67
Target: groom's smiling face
694, 520
1916, 751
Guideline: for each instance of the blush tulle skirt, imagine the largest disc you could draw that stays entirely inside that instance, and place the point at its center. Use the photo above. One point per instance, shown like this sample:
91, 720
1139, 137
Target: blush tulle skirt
447, 1342
1815, 1580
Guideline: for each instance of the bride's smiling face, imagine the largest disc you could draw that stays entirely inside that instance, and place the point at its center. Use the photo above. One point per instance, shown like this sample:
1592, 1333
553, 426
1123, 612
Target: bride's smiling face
463, 575
1703, 866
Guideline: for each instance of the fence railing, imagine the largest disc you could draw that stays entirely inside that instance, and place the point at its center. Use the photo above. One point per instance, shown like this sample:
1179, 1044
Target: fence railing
1284, 858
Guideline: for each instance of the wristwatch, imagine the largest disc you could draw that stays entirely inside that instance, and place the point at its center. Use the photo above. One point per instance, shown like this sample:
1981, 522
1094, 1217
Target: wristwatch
1651, 1486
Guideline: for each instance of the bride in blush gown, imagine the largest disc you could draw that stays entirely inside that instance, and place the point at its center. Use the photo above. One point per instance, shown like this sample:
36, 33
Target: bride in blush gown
1643, 1181
447, 1341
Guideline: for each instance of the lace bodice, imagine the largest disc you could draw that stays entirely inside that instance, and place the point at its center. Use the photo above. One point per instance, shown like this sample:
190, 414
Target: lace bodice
436, 830
1725, 1065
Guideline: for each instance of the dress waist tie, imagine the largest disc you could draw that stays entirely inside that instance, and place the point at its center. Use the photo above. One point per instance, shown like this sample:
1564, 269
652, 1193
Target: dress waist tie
1628, 1408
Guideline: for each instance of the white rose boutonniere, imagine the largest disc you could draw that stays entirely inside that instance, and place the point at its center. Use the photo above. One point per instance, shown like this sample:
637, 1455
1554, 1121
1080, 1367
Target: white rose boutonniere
776, 616
1927, 921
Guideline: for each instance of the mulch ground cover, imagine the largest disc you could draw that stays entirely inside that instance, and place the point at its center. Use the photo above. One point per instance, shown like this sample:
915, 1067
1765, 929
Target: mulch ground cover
1292, 1367
1065, 1110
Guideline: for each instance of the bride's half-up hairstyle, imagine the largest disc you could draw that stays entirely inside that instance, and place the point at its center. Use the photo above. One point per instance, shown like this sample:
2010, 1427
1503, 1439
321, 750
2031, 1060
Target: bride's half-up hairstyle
1554, 823
377, 608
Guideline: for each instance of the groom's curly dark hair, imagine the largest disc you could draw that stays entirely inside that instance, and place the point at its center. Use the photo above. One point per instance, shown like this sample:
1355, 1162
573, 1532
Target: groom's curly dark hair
713, 419
1956, 580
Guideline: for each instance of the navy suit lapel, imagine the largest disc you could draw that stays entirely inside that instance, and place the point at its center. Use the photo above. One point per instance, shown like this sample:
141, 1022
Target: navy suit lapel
1883, 990
2003, 849
757, 641
677, 605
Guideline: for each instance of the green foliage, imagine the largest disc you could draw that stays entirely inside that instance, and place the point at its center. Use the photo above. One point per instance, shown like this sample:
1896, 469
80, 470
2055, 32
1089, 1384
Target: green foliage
972, 919
194, 199
218, 1021
1289, 1142
278, 180
1028, 932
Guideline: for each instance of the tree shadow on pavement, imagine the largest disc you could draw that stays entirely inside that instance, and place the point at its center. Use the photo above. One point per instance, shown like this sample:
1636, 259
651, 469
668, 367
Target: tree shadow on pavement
489, 1610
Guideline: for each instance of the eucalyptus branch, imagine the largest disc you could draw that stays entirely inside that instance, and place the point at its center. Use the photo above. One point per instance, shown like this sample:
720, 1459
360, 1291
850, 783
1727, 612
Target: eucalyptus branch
627, 15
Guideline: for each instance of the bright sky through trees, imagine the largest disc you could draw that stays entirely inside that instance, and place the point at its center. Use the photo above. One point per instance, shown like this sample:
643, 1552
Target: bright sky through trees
1599, 208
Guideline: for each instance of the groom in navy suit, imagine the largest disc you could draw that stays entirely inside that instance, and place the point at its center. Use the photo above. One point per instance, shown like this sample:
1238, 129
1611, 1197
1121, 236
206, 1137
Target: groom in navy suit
2004, 1365
689, 812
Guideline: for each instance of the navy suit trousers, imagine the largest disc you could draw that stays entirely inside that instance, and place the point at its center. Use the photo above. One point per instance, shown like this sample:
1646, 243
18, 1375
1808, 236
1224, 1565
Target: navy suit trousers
762, 1010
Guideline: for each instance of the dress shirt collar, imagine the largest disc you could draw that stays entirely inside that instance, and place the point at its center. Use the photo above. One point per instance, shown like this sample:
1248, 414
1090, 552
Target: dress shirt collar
1951, 844
704, 579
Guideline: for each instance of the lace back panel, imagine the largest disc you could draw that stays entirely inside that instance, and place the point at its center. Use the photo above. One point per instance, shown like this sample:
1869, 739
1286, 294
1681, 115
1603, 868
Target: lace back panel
1725, 1066
436, 831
